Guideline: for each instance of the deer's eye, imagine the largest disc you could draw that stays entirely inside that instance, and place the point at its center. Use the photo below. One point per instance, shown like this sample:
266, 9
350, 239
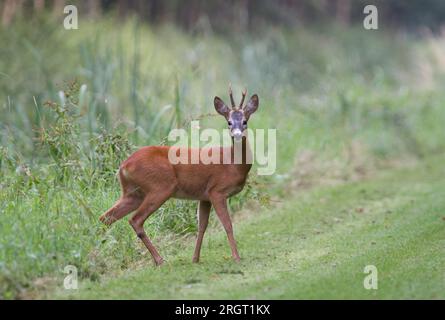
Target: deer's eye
230, 123
244, 123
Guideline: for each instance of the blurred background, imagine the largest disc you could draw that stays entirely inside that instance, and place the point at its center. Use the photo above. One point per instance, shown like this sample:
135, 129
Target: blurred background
346, 102
242, 15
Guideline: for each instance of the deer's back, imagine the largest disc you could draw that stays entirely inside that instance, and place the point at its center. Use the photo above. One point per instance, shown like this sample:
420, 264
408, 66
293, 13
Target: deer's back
150, 169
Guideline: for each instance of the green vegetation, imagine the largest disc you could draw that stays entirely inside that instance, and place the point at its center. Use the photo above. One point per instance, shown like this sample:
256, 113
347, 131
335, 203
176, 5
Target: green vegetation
346, 102
314, 246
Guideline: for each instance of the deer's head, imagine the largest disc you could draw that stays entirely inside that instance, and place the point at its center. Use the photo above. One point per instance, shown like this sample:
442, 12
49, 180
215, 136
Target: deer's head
237, 117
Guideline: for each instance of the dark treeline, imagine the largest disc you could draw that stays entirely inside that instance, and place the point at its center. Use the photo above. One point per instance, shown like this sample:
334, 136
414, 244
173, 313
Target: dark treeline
242, 14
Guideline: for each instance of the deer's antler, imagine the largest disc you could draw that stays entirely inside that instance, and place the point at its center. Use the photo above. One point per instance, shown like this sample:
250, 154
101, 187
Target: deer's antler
242, 99
231, 96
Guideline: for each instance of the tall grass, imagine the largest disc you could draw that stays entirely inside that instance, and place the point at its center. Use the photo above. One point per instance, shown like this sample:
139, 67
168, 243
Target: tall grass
74, 104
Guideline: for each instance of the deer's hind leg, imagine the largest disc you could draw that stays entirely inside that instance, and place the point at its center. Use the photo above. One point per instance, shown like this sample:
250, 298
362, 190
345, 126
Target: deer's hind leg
130, 200
120, 209
152, 201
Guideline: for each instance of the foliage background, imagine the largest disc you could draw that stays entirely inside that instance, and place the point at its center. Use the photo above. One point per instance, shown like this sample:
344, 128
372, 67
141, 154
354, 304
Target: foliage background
347, 102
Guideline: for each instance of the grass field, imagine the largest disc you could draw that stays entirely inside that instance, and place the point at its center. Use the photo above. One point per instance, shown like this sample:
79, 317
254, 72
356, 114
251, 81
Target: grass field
347, 104
315, 245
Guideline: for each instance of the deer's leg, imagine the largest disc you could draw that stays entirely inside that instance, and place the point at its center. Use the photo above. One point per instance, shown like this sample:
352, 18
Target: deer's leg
149, 205
220, 205
203, 220
120, 209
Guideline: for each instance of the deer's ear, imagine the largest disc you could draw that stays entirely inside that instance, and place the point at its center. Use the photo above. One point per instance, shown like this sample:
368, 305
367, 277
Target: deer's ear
221, 107
251, 106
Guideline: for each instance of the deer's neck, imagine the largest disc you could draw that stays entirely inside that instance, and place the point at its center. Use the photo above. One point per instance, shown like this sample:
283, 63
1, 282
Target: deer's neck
241, 149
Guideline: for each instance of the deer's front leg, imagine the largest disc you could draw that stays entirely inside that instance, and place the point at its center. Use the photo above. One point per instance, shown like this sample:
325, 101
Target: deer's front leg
219, 202
203, 220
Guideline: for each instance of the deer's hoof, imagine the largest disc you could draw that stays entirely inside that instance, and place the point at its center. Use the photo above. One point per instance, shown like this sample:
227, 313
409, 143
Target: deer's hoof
195, 260
159, 262
106, 220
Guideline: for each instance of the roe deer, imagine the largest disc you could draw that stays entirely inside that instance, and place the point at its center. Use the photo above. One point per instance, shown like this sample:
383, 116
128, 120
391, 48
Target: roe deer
148, 179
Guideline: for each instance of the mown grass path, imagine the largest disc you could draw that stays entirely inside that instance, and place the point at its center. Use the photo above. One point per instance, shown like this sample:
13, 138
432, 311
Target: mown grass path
315, 245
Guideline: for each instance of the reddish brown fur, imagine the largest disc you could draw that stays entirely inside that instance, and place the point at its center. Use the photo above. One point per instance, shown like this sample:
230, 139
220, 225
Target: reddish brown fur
148, 179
